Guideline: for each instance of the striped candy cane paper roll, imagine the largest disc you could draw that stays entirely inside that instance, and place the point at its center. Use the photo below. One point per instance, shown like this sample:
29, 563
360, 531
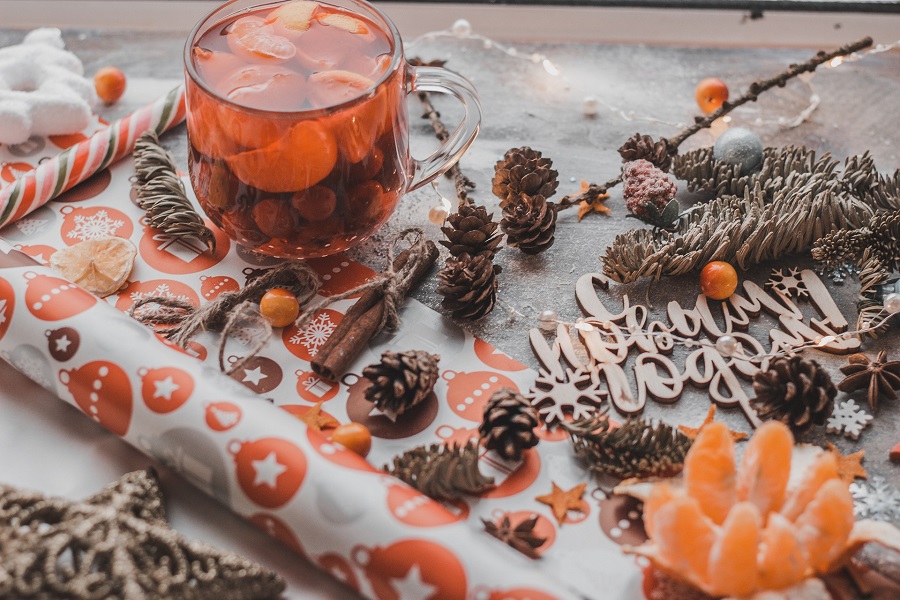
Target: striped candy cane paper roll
66, 170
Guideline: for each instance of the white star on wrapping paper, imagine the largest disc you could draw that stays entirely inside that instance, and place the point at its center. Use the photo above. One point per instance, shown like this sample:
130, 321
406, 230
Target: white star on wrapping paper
164, 388
412, 586
254, 376
62, 344
267, 470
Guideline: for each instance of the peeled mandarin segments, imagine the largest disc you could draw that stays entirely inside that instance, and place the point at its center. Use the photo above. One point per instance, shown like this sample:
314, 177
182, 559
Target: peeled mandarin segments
660, 495
766, 467
356, 128
278, 92
684, 537
823, 469
343, 21
293, 16
203, 124
709, 471
732, 560
100, 265
782, 558
215, 66
825, 525
299, 160
334, 87
251, 38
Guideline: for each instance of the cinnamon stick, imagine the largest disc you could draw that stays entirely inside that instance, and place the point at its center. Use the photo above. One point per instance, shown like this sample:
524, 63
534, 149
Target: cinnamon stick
363, 321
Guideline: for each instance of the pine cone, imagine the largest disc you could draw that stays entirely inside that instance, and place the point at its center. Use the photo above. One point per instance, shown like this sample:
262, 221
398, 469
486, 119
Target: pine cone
508, 425
401, 380
471, 231
644, 147
469, 286
529, 223
523, 171
442, 472
645, 185
795, 391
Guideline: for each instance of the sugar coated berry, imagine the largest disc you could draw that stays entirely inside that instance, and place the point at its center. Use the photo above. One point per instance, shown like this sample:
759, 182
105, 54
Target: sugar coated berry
710, 94
279, 307
110, 84
353, 437
718, 280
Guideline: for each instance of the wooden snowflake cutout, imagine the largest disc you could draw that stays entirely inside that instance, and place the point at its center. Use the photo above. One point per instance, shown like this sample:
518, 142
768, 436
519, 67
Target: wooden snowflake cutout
848, 418
576, 395
790, 284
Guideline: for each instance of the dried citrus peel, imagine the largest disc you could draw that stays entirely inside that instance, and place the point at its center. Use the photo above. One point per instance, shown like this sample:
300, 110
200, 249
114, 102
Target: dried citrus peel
101, 265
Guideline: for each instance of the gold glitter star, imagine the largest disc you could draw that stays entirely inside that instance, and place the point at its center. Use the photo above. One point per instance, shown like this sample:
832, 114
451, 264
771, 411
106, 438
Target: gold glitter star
849, 467
598, 206
563, 501
691, 432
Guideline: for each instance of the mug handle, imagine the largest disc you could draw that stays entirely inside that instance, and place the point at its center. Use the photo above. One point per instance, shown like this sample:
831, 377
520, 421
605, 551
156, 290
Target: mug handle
444, 81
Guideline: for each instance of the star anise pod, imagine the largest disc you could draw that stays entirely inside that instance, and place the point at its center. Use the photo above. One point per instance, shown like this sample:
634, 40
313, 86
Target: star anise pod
882, 378
521, 537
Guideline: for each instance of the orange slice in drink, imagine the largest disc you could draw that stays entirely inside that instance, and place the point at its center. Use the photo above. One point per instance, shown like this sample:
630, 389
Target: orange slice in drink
732, 560
214, 66
709, 471
343, 21
251, 38
293, 16
766, 467
782, 558
204, 131
266, 87
297, 161
825, 525
355, 128
100, 265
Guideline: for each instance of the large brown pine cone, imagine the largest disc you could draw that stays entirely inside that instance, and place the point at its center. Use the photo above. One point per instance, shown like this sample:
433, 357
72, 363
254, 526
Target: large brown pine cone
508, 425
523, 171
471, 231
529, 223
795, 391
401, 380
469, 286
643, 146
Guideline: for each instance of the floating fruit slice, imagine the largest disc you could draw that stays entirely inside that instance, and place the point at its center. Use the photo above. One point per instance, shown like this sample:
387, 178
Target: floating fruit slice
782, 558
214, 66
343, 21
356, 128
251, 38
823, 469
265, 87
335, 87
766, 467
825, 525
732, 560
293, 16
684, 537
100, 265
297, 161
709, 471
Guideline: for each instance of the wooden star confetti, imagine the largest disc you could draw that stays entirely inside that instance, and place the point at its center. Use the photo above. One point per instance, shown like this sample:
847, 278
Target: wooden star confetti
692, 432
562, 501
317, 420
115, 544
850, 466
596, 205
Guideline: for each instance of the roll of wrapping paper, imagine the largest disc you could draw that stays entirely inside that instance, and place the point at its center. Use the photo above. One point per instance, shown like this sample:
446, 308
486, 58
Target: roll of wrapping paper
66, 170
377, 534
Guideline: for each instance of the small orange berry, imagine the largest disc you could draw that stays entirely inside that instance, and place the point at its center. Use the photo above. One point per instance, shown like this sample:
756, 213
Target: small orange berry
718, 280
110, 84
279, 307
353, 437
710, 94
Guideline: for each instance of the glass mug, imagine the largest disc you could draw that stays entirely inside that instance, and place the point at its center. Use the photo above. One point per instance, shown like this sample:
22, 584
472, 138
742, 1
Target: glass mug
297, 123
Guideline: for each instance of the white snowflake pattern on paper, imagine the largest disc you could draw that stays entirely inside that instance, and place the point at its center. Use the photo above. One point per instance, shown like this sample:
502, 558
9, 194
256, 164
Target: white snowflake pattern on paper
848, 418
876, 500
315, 334
153, 309
94, 226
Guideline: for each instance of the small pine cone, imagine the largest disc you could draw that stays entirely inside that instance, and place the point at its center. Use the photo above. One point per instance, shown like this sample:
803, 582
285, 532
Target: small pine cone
644, 185
529, 223
471, 231
509, 424
644, 147
523, 171
469, 286
795, 391
401, 380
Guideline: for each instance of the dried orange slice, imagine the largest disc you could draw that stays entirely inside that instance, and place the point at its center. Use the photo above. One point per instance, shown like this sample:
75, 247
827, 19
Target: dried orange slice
100, 265
293, 16
732, 560
709, 471
766, 467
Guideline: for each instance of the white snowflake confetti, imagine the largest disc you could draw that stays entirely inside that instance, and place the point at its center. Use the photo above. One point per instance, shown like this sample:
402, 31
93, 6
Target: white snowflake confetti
94, 226
876, 500
848, 418
316, 334
153, 309
791, 284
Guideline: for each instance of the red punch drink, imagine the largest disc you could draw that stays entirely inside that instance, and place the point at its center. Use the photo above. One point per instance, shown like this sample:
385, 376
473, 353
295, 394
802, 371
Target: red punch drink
297, 124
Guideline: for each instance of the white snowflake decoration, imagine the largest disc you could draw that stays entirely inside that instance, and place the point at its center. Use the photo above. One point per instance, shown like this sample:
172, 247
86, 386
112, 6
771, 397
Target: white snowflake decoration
791, 285
94, 226
316, 334
876, 500
848, 418
163, 290
578, 395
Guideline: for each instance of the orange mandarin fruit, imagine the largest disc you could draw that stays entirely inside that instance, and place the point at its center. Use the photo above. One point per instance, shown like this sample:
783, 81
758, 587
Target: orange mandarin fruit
718, 280
279, 307
109, 82
353, 437
710, 94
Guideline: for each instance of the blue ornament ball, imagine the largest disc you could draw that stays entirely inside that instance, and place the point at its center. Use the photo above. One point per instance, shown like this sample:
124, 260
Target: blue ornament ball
739, 146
